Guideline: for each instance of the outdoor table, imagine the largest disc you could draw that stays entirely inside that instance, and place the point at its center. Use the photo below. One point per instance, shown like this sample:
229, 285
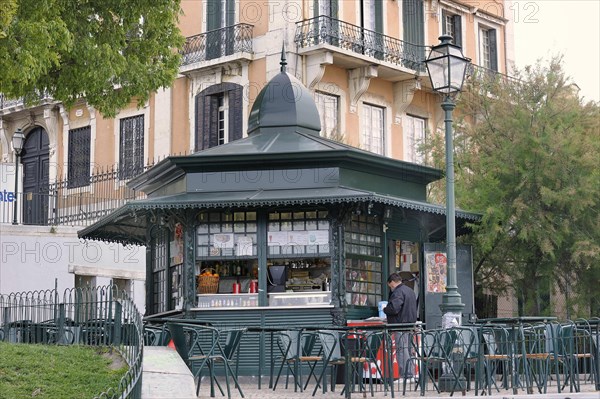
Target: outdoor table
516, 324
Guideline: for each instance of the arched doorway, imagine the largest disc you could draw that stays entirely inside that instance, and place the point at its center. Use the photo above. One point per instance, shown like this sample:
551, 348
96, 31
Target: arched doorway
35, 158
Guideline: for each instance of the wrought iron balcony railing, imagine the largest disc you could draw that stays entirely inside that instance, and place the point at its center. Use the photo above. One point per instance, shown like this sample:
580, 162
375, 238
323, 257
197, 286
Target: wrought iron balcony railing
217, 43
6, 103
331, 31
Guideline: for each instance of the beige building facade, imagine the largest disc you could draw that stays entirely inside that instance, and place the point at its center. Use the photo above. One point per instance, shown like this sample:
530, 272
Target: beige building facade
362, 60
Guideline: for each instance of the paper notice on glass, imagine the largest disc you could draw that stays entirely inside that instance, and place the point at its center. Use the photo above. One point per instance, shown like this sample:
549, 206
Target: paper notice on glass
318, 237
244, 246
298, 237
222, 240
277, 238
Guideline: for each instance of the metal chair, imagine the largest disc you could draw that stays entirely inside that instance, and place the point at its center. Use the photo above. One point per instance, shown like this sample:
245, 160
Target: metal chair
295, 348
198, 346
497, 352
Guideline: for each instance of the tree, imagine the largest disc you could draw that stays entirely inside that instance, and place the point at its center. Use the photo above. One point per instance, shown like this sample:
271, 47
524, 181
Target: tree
109, 51
527, 158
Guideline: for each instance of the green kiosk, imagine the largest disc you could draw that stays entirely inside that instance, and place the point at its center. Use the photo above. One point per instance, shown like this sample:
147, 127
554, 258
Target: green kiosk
285, 227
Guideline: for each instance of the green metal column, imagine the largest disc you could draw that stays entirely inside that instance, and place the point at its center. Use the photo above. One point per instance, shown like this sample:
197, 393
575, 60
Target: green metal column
451, 301
189, 264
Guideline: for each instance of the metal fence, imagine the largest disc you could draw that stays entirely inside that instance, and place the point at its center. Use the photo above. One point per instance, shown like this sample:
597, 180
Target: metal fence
96, 316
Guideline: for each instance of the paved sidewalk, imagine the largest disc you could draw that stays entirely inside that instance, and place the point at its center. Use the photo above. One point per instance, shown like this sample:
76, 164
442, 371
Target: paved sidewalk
165, 376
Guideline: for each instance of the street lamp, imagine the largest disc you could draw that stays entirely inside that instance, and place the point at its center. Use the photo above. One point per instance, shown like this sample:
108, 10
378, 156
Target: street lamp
18, 140
447, 67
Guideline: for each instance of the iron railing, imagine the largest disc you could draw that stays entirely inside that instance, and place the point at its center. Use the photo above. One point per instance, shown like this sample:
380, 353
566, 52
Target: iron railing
487, 77
6, 102
96, 316
65, 203
217, 43
334, 32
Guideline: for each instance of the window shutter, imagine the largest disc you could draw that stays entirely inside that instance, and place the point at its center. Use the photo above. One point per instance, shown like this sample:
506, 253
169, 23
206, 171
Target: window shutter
379, 16
493, 50
199, 122
235, 112
211, 108
457, 30
444, 26
230, 17
414, 30
214, 10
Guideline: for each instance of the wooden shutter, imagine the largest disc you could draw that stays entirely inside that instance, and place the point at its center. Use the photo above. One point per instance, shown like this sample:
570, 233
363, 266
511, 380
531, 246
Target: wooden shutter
235, 112
493, 50
206, 121
414, 29
457, 20
445, 14
379, 16
214, 10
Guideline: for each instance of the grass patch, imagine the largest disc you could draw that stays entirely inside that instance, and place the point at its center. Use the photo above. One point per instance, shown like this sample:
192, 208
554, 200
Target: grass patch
50, 371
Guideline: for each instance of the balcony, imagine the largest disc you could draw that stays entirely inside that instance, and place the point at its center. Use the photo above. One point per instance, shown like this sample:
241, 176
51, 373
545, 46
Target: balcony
10, 105
353, 46
217, 46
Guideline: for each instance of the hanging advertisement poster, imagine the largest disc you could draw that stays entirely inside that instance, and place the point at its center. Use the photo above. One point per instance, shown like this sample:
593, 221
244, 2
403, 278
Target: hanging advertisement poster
435, 271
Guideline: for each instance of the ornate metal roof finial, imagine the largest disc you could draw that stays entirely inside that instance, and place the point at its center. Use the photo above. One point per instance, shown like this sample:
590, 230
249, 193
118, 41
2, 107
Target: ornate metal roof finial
283, 62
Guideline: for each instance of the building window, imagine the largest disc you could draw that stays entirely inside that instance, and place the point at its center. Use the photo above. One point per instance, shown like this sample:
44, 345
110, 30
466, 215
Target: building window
131, 147
222, 114
327, 105
372, 129
452, 25
219, 115
488, 48
123, 285
414, 136
79, 157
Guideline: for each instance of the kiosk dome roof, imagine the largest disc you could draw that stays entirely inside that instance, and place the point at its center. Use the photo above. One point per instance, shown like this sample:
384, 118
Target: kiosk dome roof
284, 103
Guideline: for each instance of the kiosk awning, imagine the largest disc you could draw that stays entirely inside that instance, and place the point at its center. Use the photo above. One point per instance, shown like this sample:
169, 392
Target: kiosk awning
128, 223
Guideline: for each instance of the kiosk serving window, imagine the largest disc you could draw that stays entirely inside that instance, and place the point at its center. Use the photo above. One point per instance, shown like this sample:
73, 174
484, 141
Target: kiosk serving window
363, 244
226, 234
298, 233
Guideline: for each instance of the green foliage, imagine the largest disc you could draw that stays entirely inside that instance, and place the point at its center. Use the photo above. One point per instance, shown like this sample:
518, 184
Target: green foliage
48, 371
110, 52
527, 158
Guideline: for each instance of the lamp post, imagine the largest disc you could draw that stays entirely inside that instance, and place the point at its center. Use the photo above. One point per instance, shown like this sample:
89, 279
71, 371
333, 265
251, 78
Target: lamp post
18, 140
447, 67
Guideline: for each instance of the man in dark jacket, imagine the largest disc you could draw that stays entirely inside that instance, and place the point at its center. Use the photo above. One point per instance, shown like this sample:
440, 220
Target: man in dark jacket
401, 308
